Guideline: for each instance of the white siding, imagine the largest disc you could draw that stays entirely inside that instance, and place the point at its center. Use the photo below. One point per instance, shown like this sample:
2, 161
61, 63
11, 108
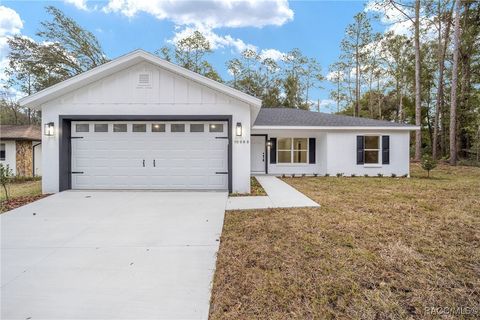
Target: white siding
10, 155
342, 157
169, 94
336, 153
318, 168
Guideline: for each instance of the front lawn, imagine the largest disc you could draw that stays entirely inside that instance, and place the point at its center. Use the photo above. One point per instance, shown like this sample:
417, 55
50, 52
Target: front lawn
377, 248
20, 194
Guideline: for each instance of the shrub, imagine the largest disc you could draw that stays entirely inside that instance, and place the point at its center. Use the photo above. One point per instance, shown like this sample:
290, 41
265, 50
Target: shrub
394, 175
428, 164
340, 174
5, 177
366, 175
315, 175
327, 174
379, 175
353, 175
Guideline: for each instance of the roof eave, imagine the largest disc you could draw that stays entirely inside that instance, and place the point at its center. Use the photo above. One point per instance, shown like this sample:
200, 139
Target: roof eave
399, 128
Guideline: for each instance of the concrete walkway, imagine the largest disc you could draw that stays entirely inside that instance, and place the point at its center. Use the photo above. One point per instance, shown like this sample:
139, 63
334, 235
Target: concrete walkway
111, 255
279, 195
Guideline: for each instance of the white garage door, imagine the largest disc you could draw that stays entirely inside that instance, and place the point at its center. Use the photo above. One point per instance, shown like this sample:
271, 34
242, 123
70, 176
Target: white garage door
149, 155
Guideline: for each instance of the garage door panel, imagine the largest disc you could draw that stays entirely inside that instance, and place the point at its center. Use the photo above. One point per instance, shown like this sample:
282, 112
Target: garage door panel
114, 160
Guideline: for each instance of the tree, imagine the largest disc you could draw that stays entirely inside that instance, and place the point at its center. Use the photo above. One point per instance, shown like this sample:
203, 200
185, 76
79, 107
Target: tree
453, 99
67, 50
190, 52
428, 164
80, 43
5, 176
355, 48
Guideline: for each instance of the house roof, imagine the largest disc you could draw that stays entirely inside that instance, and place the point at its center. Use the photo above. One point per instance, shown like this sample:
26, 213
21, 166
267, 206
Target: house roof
37, 99
20, 132
288, 118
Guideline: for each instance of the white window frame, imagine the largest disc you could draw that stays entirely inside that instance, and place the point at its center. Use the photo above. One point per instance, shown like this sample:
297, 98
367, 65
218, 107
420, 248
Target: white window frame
292, 150
379, 151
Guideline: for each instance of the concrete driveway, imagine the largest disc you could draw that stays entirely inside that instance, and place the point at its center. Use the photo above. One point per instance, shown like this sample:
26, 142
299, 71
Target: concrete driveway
111, 255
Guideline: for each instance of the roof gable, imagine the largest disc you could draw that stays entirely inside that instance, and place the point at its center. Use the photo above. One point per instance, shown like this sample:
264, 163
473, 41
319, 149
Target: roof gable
124, 62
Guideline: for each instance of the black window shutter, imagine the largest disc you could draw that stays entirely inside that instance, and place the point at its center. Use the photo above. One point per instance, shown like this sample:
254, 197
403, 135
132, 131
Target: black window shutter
360, 149
311, 148
385, 149
273, 150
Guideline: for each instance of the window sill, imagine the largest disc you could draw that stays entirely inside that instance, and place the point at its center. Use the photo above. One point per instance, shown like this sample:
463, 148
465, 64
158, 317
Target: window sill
373, 165
291, 164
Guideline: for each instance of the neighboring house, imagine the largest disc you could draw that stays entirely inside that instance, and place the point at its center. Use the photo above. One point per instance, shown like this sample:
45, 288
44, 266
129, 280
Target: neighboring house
21, 149
140, 122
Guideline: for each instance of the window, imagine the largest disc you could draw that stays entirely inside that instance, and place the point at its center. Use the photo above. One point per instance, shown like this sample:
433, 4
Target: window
197, 127
2, 151
292, 150
177, 127
215, 127
119, 127
372, 149
101, 127
158, 127
139, 127
82, 127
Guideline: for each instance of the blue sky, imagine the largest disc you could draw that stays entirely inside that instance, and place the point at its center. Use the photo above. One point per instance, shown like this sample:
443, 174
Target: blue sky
316, 27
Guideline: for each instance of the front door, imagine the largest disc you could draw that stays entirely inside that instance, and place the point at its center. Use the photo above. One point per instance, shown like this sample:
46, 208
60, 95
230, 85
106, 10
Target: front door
257, 154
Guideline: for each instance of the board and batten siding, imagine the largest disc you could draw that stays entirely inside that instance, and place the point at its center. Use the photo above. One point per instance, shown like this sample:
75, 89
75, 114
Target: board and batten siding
167, 93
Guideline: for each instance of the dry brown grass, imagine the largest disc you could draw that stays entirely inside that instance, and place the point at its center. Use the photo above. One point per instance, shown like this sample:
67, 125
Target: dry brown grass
377, 248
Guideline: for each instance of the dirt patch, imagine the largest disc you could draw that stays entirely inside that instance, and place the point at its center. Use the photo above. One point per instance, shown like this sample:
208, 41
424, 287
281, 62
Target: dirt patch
11, 204
256, 189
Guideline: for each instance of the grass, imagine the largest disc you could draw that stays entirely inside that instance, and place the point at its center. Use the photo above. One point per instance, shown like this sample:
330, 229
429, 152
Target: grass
20, 193
256, 189
377, 248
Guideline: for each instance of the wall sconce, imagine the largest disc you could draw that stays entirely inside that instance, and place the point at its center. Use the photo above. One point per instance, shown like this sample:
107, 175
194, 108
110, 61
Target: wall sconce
269, 143
239, 129
49, 129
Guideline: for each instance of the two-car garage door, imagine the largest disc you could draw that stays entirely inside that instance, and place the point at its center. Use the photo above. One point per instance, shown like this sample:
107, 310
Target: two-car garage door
149, 155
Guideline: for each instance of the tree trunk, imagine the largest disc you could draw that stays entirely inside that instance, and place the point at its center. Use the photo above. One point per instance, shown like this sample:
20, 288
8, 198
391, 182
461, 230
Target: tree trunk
442, 48
418, 109
453, 99
357, 84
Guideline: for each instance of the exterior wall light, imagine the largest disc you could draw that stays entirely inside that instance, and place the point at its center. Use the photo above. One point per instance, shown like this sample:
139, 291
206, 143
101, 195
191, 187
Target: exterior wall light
49, 129
239, 129
269, 143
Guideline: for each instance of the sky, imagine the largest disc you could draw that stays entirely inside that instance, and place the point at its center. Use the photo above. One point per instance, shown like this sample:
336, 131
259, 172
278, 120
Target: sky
270, 27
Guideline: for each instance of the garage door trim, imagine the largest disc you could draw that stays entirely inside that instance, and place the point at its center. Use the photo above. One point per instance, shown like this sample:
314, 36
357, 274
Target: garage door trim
65, 145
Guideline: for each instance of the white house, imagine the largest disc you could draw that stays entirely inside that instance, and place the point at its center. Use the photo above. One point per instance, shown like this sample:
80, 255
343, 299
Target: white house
21, 149
140, 122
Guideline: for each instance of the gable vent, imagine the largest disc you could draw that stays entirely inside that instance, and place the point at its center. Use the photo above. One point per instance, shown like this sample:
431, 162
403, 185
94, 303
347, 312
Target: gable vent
144, 80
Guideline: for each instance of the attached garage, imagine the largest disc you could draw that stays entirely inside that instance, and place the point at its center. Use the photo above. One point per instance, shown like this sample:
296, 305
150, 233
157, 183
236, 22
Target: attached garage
140, 122
185, 155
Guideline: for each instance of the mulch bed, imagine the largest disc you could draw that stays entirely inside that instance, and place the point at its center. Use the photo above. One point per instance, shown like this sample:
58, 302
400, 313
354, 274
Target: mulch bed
16, 202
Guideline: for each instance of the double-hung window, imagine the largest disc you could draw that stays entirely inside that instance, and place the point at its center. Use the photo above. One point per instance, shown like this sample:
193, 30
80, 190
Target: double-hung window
292, 150
372, 149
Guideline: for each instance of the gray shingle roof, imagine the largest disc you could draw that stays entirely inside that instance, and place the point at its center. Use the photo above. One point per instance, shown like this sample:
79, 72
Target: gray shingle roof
20, 132
304, 118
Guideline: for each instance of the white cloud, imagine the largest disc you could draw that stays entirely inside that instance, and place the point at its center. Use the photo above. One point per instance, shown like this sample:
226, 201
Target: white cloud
216, 41
273, 54
10, 22
212, 13
79, 4
392, 17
